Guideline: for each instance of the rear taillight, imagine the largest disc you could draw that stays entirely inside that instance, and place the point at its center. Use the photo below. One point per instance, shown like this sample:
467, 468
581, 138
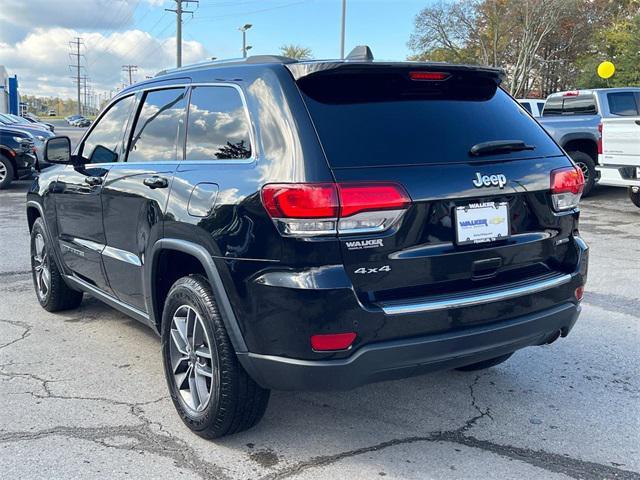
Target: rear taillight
328, 209
566, 188
600, 127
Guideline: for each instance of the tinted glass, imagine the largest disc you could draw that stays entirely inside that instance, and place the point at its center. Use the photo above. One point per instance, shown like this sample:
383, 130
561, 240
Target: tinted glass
553, 106
580, 105
526, 106
623, 103
155, 136
108, 133
540, 107
382, 119
218, 126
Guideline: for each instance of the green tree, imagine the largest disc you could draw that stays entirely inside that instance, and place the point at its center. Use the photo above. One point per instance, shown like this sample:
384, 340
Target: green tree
620, 44
296, 51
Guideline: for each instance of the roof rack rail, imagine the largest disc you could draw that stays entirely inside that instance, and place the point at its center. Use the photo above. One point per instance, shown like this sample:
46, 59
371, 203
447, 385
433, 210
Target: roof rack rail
252, 60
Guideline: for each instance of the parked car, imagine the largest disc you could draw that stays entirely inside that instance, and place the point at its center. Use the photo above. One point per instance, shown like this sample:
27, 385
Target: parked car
71, 118
52, 113
23, 121
620, 158
78, 121
34, 119
39, 133
574, 120
313, 225
17, 159
532, 105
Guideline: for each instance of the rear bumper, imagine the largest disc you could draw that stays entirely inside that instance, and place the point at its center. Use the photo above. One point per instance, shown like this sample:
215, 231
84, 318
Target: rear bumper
618, 175
403, 358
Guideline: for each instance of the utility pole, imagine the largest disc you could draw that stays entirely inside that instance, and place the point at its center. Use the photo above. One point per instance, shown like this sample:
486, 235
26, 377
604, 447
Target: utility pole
244, 29
344, 16
77, 43
84, 83
130, 69
179, 11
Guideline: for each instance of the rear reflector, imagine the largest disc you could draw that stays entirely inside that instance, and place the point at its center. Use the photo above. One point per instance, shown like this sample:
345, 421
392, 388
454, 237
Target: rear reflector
566, 187
428, 76
334, 341
327, 209
579, 293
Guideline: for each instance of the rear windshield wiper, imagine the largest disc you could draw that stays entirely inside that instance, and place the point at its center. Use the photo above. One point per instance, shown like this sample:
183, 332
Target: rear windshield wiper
498, 146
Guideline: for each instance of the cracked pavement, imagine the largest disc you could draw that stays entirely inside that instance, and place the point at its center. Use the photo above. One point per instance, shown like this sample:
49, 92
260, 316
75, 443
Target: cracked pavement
83, 395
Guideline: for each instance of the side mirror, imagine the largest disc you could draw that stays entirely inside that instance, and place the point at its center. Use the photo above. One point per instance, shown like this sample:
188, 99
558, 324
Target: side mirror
57, 150
102, 154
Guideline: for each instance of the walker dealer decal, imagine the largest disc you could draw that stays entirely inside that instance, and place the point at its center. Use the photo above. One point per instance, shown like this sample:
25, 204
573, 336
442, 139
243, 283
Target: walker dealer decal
362, 244
482, 222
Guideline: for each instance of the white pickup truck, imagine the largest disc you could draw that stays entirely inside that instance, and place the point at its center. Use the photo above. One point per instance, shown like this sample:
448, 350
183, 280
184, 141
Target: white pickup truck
619, 162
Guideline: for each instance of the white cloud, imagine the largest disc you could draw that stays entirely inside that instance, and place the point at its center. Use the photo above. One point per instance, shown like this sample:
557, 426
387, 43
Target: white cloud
41, 60
79, 14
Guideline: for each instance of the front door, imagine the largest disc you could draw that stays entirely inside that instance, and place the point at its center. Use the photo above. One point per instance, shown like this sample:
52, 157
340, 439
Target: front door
135, 193
77, 195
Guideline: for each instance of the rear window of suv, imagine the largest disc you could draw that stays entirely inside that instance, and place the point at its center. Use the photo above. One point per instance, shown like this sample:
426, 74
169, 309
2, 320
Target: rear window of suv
383, 119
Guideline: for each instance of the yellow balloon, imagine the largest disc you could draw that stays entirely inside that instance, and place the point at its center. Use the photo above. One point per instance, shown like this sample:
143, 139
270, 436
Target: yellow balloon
606, 70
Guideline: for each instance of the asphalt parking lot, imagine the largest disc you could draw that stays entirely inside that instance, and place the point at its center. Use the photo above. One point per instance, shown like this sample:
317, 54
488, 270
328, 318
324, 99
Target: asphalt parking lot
83, 395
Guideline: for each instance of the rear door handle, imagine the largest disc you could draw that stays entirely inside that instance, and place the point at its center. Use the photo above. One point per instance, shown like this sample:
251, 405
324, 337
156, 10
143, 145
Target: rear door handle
156, 182
93, 181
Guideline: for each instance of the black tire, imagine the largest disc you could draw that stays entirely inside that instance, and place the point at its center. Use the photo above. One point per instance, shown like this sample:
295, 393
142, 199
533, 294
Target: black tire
492, 362
235, 402
635, 196
7, 173
588, 167
58, 296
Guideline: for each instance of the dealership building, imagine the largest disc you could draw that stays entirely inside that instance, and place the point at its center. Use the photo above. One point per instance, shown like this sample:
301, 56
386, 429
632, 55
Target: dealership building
9, 97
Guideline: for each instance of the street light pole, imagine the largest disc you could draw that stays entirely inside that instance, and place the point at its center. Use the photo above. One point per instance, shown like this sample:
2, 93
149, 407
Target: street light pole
344, 15
244, 29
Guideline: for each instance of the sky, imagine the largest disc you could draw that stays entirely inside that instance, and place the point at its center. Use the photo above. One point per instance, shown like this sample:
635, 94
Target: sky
35, 35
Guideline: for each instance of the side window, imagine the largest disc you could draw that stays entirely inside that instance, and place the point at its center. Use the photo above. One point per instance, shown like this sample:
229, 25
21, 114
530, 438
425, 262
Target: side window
526, 106
218, 127
155, 135
104, 142
540, 107
622, 103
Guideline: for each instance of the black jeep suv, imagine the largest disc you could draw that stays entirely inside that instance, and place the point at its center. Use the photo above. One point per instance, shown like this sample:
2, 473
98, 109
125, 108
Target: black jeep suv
313, 225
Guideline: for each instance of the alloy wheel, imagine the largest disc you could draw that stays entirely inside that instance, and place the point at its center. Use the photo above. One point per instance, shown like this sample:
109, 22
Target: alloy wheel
195, 372
585, 171
41, 267
3, 172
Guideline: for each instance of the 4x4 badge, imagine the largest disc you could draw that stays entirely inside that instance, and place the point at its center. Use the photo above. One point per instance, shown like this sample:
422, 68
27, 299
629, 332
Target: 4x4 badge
489, 180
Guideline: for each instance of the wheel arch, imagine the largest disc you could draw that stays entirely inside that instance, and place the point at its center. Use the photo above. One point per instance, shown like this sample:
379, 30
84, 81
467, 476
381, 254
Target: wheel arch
192, 257
582, 144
